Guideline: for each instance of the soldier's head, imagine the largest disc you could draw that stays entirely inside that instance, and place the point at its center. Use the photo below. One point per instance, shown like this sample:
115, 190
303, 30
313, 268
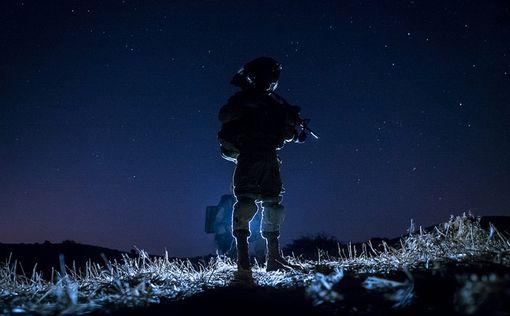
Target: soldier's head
261, 74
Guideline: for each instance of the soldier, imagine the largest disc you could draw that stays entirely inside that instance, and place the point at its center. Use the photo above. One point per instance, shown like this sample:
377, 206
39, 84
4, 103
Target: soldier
256, 123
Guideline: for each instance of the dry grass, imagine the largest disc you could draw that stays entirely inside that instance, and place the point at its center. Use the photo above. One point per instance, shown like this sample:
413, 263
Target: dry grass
145, 280
461, 239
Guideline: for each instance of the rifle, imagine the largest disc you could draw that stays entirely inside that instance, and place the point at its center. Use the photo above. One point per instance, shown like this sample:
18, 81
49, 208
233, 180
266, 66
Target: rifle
304, 125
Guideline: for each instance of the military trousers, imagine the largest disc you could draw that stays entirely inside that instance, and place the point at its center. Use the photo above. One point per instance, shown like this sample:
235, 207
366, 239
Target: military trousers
257, 180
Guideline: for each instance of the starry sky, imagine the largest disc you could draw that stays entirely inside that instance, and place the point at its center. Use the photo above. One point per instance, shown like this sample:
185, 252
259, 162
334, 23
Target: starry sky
108, 116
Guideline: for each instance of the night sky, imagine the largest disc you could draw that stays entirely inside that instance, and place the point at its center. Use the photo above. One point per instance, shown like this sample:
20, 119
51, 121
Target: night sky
108, 116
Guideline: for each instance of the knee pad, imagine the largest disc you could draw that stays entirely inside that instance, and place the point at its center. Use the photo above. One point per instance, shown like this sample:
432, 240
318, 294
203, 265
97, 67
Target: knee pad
245, 204
273, 215
271, 200
244, 210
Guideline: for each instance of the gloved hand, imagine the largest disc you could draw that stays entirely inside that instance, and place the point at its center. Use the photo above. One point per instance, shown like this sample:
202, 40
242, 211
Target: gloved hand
301, 137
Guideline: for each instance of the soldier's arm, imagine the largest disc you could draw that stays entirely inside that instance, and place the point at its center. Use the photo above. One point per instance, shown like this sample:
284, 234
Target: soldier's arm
292, 121
237, 106
229, 112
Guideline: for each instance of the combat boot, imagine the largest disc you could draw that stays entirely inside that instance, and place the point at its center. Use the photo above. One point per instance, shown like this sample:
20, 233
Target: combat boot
274, 259
243, 275
243, 257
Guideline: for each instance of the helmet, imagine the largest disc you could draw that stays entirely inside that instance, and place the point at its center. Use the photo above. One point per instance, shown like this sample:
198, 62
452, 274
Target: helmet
261, 73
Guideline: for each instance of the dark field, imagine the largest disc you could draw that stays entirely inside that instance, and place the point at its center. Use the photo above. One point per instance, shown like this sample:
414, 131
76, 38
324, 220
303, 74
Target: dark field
460, 267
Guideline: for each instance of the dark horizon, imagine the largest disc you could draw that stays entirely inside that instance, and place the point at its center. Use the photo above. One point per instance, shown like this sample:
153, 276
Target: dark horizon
108, 116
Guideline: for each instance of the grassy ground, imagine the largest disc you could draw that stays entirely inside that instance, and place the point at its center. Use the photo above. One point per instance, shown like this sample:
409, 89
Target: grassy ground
456, 268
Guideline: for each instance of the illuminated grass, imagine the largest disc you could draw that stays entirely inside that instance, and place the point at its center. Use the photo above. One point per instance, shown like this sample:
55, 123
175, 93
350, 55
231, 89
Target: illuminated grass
461, 239
142, 281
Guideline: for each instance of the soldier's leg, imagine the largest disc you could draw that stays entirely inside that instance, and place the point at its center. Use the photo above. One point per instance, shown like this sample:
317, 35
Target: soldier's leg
272, 218
246, 189
272, 212
244, 210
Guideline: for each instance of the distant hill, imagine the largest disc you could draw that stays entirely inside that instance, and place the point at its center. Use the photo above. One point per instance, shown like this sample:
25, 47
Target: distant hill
46, 255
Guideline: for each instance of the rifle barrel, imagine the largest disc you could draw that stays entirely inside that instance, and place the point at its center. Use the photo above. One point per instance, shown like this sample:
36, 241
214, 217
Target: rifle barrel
304, 125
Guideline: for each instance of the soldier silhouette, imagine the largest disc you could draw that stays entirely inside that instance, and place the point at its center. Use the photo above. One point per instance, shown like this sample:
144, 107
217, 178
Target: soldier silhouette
255, 124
